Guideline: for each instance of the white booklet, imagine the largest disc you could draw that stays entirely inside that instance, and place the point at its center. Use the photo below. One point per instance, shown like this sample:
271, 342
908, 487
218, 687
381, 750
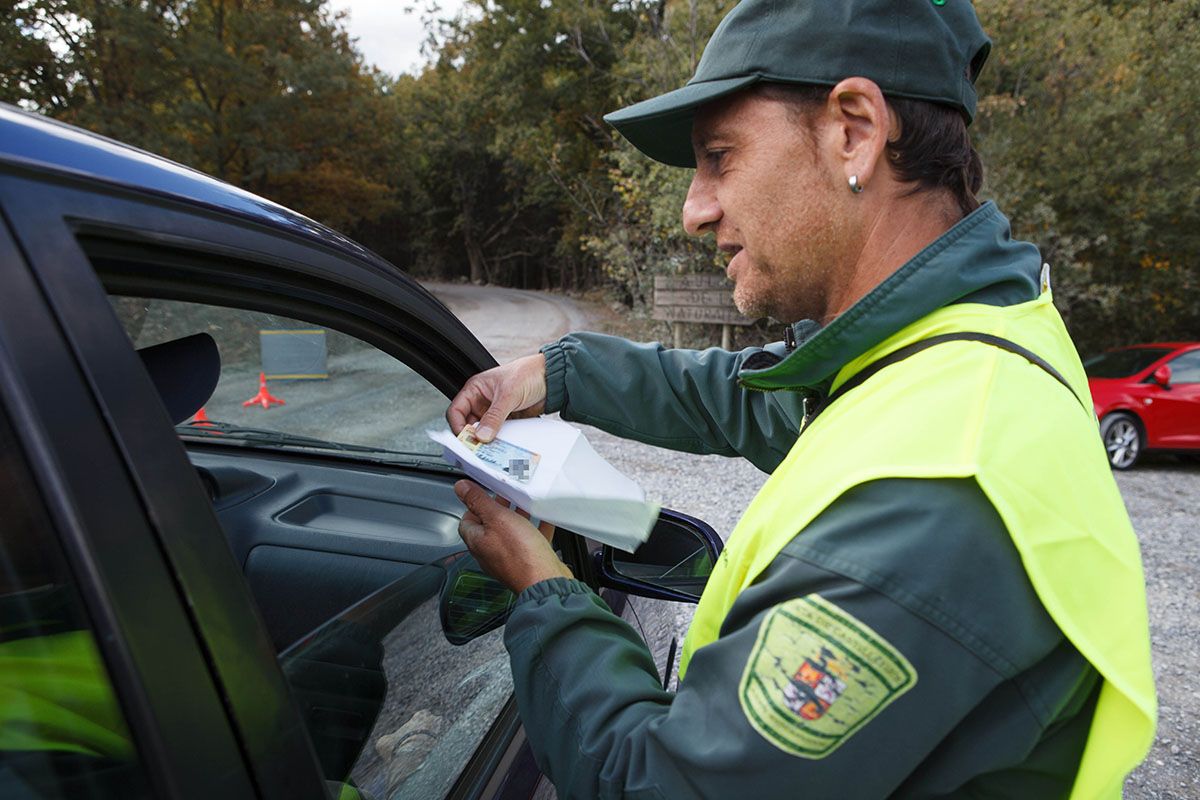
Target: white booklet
547, 468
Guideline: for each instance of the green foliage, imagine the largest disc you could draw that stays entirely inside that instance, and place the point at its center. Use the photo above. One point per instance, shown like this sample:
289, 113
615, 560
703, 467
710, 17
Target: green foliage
267, 95
642, 235
1088, 129
508, 123
494, 163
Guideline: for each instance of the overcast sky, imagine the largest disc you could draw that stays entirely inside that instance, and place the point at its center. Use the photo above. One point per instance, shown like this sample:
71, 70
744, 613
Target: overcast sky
388, 37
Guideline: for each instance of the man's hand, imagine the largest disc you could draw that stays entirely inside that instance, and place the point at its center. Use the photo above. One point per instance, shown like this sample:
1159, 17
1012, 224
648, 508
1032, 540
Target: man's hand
516, 389
504, 542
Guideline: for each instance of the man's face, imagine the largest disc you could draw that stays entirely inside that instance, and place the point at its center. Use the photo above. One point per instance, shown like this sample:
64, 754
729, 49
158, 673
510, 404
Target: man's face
773, 201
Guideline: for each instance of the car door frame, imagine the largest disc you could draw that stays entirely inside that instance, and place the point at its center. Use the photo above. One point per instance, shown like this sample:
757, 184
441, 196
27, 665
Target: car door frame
53, 216
142, 625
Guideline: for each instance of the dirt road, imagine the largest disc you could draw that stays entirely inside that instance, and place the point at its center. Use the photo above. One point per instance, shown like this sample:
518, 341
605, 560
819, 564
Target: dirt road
511, 322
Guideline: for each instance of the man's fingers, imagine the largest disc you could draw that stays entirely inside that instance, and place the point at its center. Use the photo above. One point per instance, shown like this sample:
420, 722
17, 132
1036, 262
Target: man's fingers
456, 419
477, 501
484, 510
469, 527
493, 418
504, 543
462, 408
517, 389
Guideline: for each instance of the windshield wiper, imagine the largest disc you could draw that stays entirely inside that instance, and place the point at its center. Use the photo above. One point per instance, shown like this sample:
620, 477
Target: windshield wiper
225, 431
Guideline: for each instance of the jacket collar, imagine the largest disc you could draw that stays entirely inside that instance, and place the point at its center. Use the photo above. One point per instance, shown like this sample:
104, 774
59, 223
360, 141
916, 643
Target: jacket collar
975, 261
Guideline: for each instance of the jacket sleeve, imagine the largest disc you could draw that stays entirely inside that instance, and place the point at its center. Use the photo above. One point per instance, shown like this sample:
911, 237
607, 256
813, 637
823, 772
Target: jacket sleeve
687, 400
601, 725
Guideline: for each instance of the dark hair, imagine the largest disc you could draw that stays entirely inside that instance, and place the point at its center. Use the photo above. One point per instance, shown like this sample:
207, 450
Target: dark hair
933, 150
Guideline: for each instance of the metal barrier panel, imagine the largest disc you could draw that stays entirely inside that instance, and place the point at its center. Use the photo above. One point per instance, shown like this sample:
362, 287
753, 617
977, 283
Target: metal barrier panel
299, 354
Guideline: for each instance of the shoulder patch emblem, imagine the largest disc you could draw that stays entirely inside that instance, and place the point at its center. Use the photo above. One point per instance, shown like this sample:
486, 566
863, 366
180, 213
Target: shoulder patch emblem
816, 675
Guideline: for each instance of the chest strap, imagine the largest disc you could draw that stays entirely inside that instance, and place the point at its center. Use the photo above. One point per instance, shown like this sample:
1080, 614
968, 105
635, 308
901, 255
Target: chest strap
863, 375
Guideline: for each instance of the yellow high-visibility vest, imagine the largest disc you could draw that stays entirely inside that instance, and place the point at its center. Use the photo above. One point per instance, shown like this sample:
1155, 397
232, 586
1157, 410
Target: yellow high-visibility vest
970, 410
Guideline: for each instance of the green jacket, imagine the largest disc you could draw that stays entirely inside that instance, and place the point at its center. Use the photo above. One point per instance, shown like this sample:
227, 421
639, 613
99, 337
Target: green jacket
1003, 702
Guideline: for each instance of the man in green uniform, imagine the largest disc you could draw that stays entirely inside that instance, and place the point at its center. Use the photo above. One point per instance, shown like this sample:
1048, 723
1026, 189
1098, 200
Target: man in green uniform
937, 592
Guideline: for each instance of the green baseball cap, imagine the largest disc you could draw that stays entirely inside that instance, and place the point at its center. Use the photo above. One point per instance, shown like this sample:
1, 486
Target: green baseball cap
921, 49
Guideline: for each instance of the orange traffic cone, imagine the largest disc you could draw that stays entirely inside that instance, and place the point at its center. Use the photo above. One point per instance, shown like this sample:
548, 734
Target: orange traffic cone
263, 398
201, 418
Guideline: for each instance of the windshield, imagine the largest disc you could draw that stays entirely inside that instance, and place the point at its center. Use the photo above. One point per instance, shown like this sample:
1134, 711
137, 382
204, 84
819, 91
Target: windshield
1123, 363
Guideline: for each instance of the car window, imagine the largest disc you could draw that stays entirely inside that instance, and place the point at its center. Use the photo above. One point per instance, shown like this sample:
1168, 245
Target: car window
393, 708
1122, 363
292, 377
1186, 368
62, 732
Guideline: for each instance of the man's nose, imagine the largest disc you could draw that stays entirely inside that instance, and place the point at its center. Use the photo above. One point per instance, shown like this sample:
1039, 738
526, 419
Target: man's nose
700, 210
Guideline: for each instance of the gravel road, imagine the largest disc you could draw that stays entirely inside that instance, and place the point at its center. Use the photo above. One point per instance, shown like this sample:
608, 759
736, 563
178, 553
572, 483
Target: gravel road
1162, 497
511, 322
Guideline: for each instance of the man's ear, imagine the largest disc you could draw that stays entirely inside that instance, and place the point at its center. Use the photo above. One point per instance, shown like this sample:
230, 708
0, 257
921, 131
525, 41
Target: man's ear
862, 124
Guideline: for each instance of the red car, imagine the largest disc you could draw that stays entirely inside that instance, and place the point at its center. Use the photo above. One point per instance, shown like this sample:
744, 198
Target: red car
1147, 397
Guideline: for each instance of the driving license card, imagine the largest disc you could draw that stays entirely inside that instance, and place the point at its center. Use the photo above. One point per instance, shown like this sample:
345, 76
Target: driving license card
515, 462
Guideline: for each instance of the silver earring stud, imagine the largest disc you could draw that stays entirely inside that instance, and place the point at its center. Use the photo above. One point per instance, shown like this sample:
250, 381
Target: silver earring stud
854, 185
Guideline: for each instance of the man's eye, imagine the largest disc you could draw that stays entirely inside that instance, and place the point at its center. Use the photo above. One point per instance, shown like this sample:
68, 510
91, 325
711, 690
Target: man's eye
715, 157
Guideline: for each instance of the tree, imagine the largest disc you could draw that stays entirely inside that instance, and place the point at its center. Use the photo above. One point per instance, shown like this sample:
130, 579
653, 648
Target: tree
268, 95
495, 163
643, 235
534, 79
1087, 125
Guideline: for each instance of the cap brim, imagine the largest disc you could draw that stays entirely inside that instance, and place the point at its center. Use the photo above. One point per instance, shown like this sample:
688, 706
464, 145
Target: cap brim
661, 127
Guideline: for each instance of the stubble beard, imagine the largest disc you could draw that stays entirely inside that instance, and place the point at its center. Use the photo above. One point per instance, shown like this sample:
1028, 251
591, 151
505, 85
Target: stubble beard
763, 294
750, 303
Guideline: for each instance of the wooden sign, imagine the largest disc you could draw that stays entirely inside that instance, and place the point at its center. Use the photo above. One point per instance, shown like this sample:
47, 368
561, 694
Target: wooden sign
696, 298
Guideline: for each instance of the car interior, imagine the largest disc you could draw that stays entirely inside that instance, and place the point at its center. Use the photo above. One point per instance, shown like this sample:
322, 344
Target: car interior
312, 538
322, 545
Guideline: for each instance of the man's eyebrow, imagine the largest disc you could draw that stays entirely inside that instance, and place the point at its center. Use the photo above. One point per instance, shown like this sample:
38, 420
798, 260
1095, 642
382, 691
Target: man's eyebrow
708, 136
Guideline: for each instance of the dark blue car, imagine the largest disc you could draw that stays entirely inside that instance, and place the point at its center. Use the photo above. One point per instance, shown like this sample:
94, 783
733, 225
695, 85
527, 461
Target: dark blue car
204, 597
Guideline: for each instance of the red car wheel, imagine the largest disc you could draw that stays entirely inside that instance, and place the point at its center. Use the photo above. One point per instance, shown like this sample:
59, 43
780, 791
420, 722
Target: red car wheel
1123, 439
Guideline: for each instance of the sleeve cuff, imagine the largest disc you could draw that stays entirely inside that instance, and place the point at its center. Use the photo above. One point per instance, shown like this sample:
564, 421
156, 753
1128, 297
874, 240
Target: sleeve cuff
552, 587
556, 376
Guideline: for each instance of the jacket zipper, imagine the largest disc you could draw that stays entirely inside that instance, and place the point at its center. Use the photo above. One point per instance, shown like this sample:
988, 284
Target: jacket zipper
789, 339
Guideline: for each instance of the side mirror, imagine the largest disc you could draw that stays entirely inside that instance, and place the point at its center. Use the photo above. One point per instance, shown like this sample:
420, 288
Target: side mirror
472, 603
1162, 376
673, 564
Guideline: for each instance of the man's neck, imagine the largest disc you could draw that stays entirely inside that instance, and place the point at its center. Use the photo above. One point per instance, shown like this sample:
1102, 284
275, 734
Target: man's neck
895, 232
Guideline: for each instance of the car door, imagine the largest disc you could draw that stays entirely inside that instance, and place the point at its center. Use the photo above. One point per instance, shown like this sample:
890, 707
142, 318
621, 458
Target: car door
114, 693
322, 512
1177, 406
